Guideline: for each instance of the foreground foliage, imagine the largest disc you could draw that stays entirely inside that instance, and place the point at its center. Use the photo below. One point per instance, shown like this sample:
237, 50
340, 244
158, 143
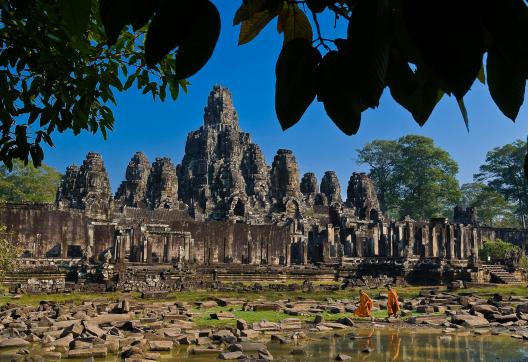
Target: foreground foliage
58, 73
61, 61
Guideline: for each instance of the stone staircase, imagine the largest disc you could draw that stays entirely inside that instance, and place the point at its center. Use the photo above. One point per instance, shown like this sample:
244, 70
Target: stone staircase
501, 275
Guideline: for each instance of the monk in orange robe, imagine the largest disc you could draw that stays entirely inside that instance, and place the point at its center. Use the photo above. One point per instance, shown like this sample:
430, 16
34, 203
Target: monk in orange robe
365, 305
393, 307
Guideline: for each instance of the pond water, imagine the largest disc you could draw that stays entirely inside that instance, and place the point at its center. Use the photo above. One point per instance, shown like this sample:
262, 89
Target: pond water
386, 344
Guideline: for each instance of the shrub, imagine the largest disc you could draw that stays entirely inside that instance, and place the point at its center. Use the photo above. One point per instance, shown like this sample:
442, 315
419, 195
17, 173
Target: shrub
499, 250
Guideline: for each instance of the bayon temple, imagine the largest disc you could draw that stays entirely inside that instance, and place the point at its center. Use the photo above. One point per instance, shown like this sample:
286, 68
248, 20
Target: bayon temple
224, 213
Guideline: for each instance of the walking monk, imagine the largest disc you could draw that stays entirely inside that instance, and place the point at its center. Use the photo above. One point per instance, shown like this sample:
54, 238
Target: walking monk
365, 305
393, 307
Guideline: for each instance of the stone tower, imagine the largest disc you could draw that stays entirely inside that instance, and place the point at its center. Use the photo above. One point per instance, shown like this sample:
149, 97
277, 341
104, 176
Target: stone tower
133, 190
331, 188
361, 195
309, 185
162, 185
223, 174
285, 176
87, 187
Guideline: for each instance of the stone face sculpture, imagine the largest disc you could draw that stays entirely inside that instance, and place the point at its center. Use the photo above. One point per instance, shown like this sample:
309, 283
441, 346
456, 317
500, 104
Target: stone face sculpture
309, 185
221, 167
331, 188
91, 189
285, 176
361, 195
162, 185
132, 191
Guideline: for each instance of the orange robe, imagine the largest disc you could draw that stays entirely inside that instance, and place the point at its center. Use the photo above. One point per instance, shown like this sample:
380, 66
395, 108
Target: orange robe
365, 306
393, 306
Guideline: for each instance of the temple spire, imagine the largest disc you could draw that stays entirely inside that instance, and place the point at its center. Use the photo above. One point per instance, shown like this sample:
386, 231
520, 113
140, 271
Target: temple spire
219, 110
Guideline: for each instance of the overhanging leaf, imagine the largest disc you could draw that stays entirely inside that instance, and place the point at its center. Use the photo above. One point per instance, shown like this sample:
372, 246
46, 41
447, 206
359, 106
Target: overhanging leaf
296, 85
76, 15
340, 103
199, 44
368, 50
169, 28
294, 23
450, 40
115, 15
506, 82
253, 26
463, 110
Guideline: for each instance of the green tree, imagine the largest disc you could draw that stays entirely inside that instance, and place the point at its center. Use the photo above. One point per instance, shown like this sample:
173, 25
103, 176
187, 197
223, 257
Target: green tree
417, 177
503, 173
27, 183
9, 253
58, 72
492, 208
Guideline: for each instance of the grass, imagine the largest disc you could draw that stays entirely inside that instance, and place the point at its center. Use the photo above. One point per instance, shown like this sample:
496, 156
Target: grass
197, 296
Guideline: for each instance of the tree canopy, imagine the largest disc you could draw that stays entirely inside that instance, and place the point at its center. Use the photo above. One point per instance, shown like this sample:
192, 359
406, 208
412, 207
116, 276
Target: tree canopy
503, 173
413, 176
492, 208
27, 183
61, 61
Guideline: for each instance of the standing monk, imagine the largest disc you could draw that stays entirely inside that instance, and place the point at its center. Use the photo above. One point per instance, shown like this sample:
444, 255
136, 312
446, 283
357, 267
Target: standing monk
393, 307
365, 305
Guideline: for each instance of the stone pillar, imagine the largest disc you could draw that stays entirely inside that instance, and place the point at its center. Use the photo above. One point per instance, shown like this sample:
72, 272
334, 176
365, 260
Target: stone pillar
375, 242
304, 246
91, 230
359, 244
149, 251
426, 245
434, 242
410, 240
461, 237
249, 247
451, 241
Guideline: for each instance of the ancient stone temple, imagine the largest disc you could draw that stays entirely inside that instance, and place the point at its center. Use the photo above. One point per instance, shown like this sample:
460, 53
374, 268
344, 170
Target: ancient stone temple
223, 206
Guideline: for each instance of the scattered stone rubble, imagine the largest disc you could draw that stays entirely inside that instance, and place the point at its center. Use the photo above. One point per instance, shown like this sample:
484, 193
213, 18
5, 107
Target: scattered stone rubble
144, 332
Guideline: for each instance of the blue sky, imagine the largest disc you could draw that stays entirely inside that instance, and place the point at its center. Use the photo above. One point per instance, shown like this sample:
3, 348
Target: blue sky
160, 129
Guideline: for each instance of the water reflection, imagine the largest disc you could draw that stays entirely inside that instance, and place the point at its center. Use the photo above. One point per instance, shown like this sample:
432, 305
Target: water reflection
378, 344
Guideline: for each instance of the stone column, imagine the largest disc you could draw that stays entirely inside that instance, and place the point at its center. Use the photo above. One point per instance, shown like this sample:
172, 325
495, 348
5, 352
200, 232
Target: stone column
434, 242
410, 240
375, 242
426, 245
461, 237
450, 242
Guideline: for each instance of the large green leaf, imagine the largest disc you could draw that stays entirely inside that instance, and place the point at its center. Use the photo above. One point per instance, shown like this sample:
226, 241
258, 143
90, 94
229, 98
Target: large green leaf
294, 23
506, 82
334, 91
115, 15
296, 86
199, 44
450, 39
253, 26
416, 92
369, 40
170, 26
76, 15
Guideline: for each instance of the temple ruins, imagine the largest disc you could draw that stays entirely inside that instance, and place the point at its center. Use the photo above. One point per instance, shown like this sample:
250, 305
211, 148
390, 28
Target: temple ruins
224, 213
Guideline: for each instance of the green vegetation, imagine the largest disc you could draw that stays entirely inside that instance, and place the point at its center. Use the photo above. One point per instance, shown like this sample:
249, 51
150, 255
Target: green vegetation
62, 61
503, 173
492, 208
58, 71
413, 176
27, 183
8, 253
499, 250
